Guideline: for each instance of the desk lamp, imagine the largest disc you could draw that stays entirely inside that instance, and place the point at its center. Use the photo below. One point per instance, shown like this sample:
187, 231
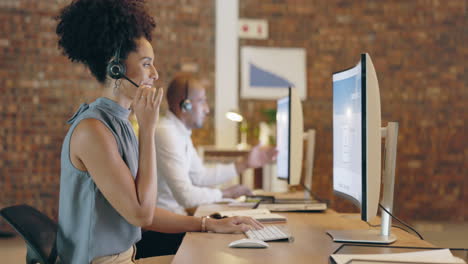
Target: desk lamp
235, 116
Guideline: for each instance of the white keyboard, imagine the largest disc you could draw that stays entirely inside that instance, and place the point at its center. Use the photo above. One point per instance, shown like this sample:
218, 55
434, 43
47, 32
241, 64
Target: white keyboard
269, 233
301, 207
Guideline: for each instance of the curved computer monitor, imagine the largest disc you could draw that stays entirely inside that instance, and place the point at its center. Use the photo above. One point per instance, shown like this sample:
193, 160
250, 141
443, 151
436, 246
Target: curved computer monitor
357, 136
289, 137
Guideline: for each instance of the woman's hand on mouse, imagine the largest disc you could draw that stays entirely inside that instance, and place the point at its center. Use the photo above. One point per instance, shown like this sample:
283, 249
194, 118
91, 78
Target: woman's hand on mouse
236, 224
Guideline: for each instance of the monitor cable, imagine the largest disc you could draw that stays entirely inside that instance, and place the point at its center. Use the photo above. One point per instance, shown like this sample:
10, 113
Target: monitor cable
257, 204
396, 226
401, 221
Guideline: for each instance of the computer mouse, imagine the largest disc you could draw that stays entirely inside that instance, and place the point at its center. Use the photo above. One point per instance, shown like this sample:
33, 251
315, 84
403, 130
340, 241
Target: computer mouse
248, 243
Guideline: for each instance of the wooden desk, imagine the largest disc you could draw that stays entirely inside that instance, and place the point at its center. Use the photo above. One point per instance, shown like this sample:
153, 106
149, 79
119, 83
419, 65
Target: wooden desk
311, 244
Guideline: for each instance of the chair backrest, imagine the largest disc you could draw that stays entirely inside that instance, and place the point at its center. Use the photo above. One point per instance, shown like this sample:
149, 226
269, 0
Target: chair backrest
38, 230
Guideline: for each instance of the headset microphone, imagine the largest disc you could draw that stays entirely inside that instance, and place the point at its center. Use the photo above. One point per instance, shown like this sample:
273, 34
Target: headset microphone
116, 69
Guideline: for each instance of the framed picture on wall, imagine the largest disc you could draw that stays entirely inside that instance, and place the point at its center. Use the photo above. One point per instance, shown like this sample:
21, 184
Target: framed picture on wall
267, 72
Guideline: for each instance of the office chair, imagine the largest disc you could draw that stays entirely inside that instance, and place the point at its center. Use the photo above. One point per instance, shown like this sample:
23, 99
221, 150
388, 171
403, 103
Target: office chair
4, 234
38, 230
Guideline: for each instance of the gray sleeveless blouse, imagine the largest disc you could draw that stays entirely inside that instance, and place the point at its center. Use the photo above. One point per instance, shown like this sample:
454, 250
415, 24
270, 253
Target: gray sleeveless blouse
89, 226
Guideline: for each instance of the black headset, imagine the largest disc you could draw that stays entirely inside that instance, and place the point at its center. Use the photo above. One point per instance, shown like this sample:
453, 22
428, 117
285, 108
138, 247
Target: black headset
186, 104
116, 69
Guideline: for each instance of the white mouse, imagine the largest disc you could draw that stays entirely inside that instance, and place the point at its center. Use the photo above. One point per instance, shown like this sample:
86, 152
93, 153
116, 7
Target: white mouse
248, 243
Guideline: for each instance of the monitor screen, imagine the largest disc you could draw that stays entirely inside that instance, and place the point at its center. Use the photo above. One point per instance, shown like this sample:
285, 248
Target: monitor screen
289, 137
282, 137
357, 143
347, 134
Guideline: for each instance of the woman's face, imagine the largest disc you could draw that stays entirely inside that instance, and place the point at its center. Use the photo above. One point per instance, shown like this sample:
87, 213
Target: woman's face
140, 68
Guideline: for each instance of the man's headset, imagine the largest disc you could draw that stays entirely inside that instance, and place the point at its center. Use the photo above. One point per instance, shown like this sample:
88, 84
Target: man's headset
116, 69
186, 104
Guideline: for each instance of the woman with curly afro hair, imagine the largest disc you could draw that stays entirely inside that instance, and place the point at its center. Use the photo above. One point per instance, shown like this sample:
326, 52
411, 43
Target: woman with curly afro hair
108, 177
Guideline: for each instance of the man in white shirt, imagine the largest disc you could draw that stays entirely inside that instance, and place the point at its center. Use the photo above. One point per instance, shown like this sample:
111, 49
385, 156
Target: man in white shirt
183, 180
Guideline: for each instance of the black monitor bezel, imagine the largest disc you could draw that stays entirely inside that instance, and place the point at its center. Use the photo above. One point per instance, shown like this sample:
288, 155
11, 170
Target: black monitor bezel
363, 204
364, 137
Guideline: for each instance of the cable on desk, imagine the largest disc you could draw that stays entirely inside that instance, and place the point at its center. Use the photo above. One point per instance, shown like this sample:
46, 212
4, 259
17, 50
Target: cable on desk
396, 226
401, 221
257, 204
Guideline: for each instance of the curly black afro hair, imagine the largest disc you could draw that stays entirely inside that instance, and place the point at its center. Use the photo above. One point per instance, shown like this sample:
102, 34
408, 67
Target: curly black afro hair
90, 31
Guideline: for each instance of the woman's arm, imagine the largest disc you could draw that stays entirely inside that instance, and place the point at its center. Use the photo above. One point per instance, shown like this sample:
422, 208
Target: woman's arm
93, 148
167, 222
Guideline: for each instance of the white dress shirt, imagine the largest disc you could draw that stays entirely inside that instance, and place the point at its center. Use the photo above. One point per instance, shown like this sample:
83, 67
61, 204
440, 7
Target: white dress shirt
183, 180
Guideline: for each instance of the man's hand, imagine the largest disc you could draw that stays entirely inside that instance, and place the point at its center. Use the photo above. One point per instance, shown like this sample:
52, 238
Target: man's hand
257, 157
261, 155
236, 224
236, 191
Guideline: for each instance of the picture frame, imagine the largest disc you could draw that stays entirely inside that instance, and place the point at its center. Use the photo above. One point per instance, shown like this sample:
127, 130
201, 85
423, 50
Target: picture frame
267, 72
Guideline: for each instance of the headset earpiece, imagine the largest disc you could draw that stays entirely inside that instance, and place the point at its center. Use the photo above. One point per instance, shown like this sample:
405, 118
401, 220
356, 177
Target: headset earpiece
115, 69
186, 104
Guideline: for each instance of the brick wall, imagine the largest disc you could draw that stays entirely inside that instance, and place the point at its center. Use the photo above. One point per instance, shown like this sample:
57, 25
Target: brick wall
40, 89
417, 48
419, 52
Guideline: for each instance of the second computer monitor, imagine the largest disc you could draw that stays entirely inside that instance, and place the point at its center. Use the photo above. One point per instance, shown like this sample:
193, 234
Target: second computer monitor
357, 136
289, 137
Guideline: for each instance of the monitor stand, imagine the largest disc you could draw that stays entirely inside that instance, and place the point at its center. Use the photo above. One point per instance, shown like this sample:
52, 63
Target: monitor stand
382, 236
361, 236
